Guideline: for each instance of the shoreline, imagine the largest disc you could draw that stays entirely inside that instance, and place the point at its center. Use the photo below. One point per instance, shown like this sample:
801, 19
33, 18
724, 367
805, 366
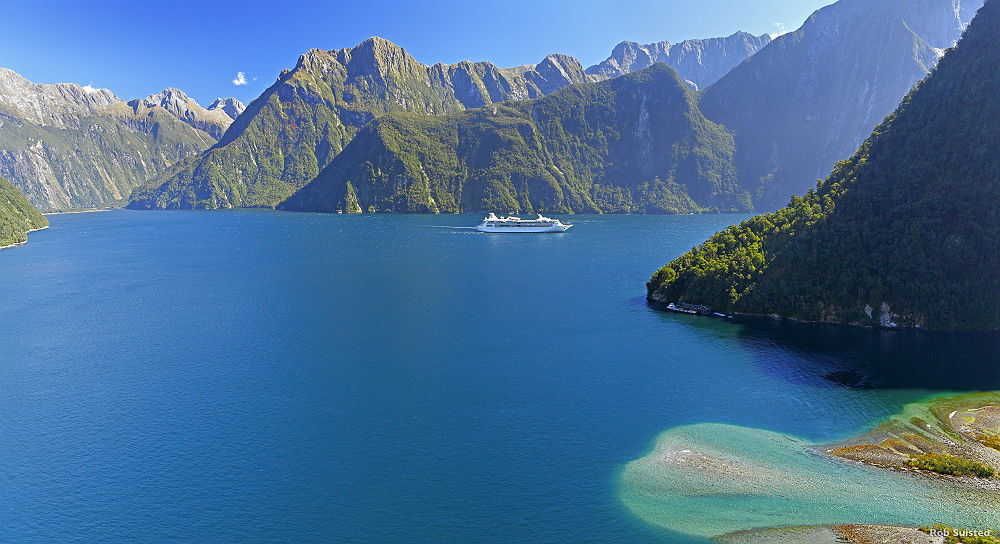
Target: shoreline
81, 210
676, 484
734, 316
25, 241
831, 534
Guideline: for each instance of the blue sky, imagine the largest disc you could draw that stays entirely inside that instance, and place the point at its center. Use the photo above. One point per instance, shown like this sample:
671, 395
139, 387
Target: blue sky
136, 49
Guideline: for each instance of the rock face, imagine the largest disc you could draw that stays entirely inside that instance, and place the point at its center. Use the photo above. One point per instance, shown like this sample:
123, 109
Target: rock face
901, 234
230, 106
175, 102
61, 105
17, 216
67, 146
809, 98
699, 62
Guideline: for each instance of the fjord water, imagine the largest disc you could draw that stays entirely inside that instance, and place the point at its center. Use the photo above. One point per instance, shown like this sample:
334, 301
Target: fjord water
264, 376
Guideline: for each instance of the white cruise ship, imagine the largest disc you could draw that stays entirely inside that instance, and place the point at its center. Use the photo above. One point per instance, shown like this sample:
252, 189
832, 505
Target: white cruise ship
492, 223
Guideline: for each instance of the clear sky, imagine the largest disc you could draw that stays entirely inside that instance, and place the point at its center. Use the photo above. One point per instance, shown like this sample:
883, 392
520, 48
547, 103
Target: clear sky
138, 48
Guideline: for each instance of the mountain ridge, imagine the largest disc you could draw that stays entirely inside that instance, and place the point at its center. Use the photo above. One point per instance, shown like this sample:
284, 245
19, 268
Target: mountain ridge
328, 96
68, 146
687, 57
621, 145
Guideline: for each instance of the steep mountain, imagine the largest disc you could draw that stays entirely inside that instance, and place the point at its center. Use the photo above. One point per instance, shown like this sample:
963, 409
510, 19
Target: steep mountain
175, 102
904, 233
230, 106
296, 127
67, 146
633, 144
699, 62
17, 216
810, 97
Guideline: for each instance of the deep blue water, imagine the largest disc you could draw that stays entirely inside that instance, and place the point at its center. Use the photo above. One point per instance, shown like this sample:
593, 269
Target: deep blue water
275, 377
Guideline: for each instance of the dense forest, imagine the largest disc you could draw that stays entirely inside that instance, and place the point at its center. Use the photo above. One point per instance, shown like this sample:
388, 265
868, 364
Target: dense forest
634, 144
904, 233
17, 215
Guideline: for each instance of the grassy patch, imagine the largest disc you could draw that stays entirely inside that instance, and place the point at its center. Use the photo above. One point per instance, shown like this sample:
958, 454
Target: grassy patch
991, 441
943, 463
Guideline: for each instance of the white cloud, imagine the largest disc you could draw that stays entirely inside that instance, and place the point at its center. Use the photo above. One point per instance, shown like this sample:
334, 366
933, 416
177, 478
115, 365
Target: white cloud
240, 79
779, 29
89, 88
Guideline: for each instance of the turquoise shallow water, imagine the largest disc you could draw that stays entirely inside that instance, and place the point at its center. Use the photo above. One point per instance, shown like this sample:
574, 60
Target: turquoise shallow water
263, 376
710, 479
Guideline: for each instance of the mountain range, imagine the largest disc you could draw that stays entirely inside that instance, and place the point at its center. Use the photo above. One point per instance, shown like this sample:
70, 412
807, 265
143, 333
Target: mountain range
903, 233
780, 113
619, 145
67, 146
330, 95
790, 108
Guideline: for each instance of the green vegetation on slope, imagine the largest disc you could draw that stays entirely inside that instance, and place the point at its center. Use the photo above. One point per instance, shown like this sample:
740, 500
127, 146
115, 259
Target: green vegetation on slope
17, 215
98, 161
296, 127
635, 144
904, 233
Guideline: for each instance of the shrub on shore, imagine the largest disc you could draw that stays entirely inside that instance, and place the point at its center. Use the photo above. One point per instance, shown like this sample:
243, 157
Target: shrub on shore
943, 463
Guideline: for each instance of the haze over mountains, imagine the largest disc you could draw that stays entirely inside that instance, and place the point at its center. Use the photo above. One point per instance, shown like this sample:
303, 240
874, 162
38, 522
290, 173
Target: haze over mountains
903, 233
810, 98
700, 63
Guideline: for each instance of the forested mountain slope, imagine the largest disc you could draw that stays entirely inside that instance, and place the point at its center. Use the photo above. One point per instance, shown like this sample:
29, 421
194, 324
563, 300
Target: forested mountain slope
904, 233
17, 215
633, 144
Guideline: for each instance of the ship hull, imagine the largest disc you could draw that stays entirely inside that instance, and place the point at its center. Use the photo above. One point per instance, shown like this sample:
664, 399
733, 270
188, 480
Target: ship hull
553, 228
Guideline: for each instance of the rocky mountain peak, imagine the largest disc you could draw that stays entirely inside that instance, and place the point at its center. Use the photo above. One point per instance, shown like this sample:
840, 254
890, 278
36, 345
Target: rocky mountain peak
183, 107
699, 62
174, 101
59, 105
230, 106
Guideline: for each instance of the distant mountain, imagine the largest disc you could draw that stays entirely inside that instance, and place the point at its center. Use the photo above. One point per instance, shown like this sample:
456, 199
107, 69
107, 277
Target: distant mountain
230, 106
17, 215
699, 62
904, 233
175, 102
633, 144
67, 146
810, 97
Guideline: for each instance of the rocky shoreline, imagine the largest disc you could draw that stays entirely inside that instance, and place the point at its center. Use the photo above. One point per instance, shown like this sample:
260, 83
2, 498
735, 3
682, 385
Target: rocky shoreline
832, 534
953, 426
